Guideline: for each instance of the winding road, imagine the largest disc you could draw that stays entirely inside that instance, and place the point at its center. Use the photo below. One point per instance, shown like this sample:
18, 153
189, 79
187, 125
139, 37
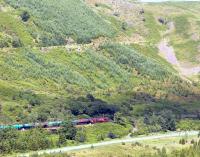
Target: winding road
111, 142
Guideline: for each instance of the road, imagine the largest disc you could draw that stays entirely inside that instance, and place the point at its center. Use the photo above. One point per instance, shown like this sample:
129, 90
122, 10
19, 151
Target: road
105, 143
160, 1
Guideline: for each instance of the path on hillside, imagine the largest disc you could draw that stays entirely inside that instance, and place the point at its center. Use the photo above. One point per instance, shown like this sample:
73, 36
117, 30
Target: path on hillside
111, 142
167, 52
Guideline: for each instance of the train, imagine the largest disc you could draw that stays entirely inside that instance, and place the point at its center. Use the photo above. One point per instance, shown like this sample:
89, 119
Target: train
56, 124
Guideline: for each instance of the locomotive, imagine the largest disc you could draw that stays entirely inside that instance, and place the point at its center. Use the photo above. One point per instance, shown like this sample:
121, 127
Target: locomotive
56, 124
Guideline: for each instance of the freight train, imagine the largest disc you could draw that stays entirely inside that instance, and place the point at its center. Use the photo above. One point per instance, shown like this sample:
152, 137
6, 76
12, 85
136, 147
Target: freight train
56, 124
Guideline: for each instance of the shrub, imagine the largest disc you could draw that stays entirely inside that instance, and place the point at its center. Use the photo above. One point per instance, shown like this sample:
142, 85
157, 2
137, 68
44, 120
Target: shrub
182, 141
100, 137
111, 135
16, 42
25, 16
124, 26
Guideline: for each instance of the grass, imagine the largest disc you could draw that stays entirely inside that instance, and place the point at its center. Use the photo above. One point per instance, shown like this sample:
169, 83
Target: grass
123, 75
154, 29
12, 26
79, 22
143, 148
189, 124
93, 133
59, 75
182, 24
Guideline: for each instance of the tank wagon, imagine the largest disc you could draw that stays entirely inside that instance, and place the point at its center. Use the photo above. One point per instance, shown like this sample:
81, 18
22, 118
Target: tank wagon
54, 124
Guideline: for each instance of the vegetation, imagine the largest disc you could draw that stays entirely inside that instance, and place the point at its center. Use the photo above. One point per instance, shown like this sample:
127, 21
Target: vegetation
189, 125
152, 148
79, 21
110, 68
15, 141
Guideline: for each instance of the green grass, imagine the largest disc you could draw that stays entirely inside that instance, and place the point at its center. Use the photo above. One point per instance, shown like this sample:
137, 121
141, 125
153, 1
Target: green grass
182, 25
94, 132
154, 29
119, 74
58, 20
189, 124
12, 26
144, 148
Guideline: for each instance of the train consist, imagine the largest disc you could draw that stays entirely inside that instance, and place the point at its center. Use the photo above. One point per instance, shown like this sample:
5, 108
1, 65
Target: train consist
56, 124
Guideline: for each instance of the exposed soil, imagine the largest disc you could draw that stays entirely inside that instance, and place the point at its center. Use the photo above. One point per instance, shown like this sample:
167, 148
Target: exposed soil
168, 53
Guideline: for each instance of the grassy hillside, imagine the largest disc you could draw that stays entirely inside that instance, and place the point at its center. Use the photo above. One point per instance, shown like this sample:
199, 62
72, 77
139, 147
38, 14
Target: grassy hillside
53, 21
71, 59
185, 36
34, 83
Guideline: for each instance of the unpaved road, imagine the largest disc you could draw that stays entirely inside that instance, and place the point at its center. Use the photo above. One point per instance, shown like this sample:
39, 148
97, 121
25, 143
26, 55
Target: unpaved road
167, 52
129, 140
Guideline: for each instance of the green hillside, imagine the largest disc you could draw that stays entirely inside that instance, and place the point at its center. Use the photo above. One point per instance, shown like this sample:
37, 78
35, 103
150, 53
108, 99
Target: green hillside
54, 21
71, 59
34, 81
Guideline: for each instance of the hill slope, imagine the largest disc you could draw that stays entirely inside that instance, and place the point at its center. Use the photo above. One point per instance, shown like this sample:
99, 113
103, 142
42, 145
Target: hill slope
39, 84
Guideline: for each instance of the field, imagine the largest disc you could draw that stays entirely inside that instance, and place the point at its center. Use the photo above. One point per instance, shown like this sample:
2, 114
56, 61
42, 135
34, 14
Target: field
139, 149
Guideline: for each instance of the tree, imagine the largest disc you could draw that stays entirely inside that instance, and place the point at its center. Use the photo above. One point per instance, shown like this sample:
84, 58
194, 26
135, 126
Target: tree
167, 120
81, 136
8, 138
68, 132
36, 139
90, 97
119, 119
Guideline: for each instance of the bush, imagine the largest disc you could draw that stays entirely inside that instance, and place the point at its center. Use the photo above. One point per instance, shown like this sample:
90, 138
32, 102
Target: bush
16, 42
124, 26
68, 132
182, 141
15, 141
80, 136
111, 135
192, 141
25, 16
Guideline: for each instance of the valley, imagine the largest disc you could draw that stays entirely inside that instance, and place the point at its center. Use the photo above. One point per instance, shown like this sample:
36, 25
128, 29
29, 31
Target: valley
132, 62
